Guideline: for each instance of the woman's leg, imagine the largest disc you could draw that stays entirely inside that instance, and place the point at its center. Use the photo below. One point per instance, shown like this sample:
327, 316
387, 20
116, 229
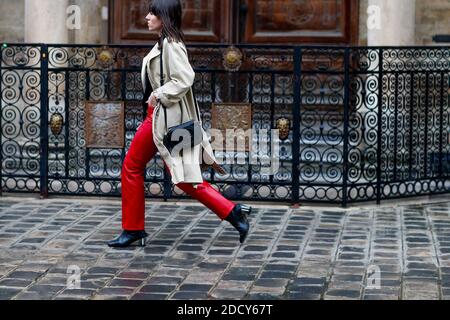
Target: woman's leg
224, 208
211, 198
141, 151
208, 196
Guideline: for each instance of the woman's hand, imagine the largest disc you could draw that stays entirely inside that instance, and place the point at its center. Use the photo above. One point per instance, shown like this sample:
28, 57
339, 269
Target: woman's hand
152, 100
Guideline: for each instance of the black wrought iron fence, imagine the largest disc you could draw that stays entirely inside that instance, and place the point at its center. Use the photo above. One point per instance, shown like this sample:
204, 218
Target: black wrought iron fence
357, 123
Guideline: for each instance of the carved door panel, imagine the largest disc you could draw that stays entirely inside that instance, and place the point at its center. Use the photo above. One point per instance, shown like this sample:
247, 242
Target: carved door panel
300, 21
203, 21
245, 21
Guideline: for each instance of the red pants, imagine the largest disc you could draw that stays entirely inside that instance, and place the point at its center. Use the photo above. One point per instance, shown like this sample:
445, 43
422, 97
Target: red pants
141, 151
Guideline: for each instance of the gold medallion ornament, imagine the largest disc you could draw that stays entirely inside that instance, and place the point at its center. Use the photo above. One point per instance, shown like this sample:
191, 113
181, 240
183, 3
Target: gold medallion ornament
56, 123
232, 59
284, 127
105, 58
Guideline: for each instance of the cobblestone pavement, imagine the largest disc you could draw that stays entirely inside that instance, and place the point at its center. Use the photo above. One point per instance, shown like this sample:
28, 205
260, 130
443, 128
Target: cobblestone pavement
396, 251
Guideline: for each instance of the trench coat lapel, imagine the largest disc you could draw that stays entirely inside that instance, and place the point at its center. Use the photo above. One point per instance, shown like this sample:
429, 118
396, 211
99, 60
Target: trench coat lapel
152, 54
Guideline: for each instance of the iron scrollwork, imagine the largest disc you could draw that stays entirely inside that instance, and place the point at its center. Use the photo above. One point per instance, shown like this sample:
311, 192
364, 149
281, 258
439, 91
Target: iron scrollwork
355, 123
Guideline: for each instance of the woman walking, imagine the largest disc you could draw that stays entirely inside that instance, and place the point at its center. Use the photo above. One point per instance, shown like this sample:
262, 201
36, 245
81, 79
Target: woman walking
172, 103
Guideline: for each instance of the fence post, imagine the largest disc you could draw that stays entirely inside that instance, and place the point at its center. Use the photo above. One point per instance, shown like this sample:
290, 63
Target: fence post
296, 125
441, 124
380, 115
346, 120
427, 101
1, 116
44, 123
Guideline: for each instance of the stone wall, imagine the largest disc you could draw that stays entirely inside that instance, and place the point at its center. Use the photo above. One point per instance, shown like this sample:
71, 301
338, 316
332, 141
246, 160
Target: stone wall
12, 23
432, 17
363, 4
93, 30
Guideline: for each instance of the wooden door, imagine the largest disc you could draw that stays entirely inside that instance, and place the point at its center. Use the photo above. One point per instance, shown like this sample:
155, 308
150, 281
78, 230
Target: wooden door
204, 21
300, 21
245, 21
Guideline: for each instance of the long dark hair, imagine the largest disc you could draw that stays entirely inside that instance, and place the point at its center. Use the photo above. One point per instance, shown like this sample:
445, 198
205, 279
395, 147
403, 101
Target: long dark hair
171, 13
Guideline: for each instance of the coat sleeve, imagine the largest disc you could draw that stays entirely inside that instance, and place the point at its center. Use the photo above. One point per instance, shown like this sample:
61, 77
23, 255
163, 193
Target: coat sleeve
180, 72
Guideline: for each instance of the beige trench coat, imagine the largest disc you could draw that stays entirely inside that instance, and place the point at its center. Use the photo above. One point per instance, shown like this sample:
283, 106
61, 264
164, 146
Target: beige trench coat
177, 89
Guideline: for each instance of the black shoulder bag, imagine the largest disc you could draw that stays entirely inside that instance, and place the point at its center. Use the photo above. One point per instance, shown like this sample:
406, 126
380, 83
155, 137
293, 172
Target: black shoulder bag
184, 135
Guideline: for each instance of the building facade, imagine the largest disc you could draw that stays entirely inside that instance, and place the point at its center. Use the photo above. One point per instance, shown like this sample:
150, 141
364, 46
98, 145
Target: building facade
402, 22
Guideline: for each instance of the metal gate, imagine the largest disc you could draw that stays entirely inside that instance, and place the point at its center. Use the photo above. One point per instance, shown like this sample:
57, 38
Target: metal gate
365, 123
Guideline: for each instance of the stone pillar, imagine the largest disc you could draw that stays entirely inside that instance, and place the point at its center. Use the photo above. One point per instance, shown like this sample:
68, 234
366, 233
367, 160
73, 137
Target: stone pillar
397, 23
45, 21
12, 21
94, 29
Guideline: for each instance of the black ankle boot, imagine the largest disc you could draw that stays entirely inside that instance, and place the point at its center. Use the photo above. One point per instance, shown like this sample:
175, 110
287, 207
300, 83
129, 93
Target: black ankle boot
238, 219
127, 238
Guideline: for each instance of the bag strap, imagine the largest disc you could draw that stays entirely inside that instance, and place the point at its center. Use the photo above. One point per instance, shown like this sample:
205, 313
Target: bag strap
162, 83
197, 108
147, 94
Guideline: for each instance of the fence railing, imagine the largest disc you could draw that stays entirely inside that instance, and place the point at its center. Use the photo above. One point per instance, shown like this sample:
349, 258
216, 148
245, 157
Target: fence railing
360, 123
